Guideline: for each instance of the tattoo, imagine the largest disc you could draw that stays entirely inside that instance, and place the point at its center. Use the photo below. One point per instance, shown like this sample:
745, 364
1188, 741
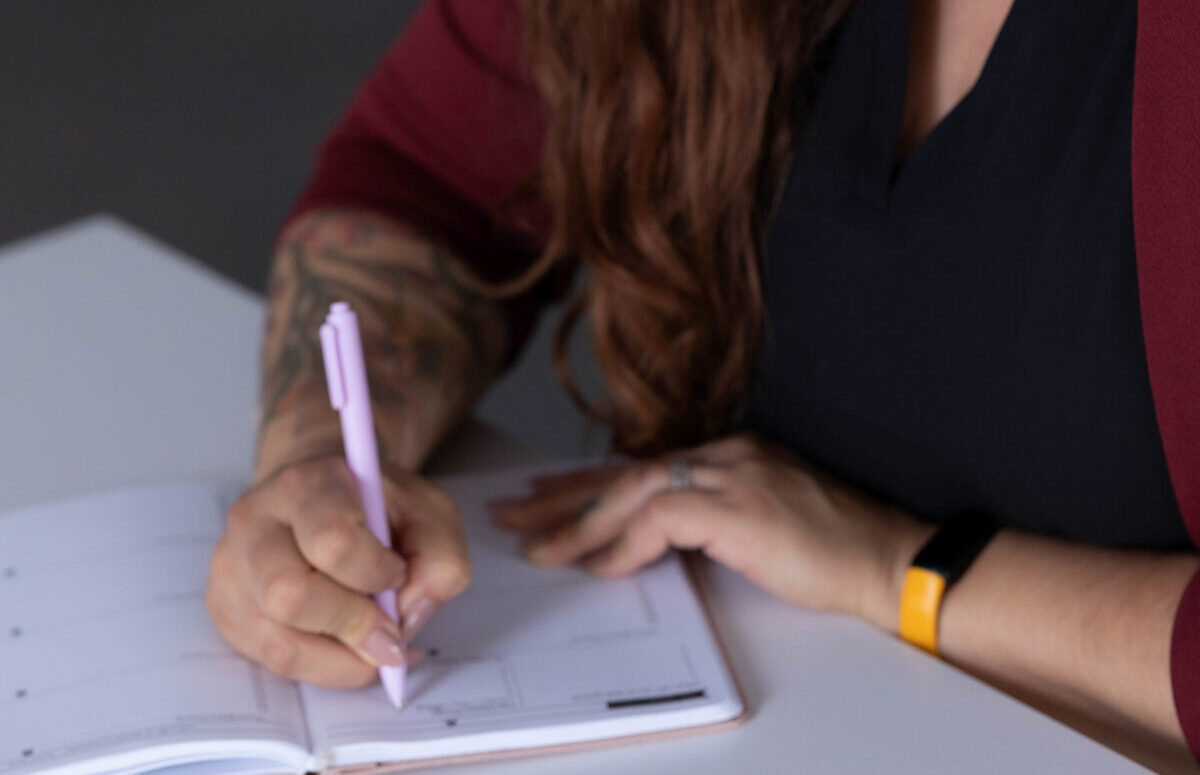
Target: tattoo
303, 314
428, 336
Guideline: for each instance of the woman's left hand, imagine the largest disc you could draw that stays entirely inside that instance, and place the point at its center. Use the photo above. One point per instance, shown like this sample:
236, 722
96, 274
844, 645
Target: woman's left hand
754, 507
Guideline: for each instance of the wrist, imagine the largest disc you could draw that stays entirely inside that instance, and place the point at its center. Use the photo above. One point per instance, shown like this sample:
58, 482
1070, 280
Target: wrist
309, 428
903, 538
280, 446
301, 425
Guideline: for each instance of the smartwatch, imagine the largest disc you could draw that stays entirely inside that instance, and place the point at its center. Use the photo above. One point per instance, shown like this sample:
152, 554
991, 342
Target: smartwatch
942, 561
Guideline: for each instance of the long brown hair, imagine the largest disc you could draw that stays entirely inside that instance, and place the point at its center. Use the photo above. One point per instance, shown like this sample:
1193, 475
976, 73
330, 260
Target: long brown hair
670, 123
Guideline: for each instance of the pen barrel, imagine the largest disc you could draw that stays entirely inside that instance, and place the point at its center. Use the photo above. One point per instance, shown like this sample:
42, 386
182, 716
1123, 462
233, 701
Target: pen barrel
358, 428
386, 600
346, 370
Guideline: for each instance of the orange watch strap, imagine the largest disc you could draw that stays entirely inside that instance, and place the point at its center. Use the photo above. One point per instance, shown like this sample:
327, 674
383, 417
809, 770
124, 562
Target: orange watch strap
940, 563
920, 602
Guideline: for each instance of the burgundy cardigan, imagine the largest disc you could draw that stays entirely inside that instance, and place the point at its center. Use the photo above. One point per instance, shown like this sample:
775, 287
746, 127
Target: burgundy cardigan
448, 127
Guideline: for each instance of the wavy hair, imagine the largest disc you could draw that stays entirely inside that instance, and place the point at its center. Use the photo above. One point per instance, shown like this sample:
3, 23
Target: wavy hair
670, 124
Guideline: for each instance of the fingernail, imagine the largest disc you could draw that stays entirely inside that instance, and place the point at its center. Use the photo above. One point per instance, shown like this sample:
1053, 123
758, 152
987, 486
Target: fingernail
383, 648
536, 551
400, 579
416, 617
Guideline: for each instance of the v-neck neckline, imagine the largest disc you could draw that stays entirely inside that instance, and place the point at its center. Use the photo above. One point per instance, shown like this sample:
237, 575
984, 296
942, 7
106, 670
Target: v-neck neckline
890, 27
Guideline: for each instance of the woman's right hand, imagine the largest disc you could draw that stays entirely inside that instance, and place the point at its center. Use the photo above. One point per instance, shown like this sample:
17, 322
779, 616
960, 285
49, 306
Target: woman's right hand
292, 578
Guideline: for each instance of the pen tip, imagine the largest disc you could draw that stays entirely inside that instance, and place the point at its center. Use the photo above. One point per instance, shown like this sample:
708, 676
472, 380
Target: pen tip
399, 704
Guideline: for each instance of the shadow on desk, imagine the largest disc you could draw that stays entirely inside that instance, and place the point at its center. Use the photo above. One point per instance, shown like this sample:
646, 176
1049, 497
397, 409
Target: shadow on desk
1110, 729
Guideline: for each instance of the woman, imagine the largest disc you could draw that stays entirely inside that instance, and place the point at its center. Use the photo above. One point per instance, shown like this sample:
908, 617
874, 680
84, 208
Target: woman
857, 271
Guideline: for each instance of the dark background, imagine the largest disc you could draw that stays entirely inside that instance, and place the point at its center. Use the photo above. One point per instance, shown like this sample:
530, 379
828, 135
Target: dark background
197, 121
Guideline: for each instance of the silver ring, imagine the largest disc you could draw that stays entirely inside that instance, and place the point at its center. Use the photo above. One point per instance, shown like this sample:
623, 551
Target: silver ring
680, 475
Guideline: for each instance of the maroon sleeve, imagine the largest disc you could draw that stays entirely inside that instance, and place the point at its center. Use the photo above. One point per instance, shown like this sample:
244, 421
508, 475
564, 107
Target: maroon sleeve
1185, 664
1166, 198
442, 136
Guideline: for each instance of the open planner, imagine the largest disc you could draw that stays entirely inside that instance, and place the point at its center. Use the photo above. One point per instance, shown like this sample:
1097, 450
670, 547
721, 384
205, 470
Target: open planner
110, 664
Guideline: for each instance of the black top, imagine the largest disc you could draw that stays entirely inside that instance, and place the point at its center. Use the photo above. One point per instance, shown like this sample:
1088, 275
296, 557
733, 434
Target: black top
961, 331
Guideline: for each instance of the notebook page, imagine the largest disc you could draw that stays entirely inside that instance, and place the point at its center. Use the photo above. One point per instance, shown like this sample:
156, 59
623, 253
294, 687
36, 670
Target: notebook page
107, 655
532, 656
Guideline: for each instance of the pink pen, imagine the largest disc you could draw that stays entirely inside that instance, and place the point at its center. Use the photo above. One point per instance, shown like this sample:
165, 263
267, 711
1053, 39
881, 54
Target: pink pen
345, 370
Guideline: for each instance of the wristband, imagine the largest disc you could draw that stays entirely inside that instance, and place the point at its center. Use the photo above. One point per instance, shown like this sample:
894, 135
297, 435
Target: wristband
941, 562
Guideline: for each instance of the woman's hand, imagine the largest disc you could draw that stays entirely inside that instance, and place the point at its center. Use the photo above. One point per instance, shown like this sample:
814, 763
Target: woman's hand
291, 580
754, 507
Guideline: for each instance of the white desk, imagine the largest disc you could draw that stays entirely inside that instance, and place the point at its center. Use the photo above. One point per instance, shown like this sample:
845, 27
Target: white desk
123, 362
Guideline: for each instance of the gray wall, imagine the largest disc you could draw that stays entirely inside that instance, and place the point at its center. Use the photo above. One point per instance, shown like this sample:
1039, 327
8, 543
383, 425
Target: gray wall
196, 120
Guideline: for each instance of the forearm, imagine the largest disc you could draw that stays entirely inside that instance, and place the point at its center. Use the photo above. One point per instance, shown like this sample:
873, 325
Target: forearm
432, 343
1081, 631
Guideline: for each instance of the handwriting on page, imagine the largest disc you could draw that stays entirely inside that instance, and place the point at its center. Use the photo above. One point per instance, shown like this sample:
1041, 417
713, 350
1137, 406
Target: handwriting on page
545, 655
107, 642
528, 648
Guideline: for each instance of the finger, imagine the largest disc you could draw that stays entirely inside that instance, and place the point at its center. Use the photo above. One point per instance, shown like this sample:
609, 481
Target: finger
299, 656
319, 503
604, 522
683, 520
334, 539
299, 483
291, 593
555, 499
431, 539
439, 565
593, 475
547, 509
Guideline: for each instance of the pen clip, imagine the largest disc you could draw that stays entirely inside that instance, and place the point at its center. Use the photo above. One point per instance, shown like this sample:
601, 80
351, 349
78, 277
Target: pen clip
333, 365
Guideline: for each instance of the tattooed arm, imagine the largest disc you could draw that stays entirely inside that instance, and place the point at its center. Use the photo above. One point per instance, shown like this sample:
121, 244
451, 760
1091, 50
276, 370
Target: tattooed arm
431, 343
290, 580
